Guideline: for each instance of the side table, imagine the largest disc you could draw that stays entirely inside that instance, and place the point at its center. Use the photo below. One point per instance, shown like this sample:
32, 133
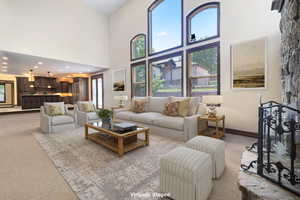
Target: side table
205, 131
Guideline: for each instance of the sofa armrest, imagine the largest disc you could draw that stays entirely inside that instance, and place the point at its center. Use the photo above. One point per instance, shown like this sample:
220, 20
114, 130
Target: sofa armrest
191, 126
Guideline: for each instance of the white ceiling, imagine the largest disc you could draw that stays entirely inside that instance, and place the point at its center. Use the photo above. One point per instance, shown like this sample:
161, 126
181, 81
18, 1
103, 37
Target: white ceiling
19, 64
106, 6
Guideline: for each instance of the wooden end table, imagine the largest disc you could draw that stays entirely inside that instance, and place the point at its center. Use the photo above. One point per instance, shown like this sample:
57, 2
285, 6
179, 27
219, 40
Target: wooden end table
205, 131
117, 142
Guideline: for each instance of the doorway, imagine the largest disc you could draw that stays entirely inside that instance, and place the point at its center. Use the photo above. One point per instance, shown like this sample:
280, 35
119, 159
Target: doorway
97, 91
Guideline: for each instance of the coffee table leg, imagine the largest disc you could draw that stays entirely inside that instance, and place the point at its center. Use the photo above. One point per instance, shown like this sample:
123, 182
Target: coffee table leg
147, 137
120, 146
86, 131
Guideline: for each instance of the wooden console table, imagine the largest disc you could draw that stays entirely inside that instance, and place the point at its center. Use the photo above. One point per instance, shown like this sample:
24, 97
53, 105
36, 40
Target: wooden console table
255, 187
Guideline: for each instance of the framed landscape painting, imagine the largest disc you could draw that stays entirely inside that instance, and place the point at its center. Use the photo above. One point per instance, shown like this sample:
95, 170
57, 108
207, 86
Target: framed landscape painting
249, 64
119, 80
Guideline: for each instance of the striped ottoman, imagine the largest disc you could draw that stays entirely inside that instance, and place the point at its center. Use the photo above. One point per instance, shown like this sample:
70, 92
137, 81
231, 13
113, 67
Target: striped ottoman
186, 174
214, 147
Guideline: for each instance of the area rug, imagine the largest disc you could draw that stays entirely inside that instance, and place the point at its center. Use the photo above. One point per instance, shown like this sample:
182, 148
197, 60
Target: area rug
94, 172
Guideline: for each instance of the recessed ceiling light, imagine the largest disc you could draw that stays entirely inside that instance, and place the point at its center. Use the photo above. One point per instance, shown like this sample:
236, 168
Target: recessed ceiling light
35, 67
67, 67
5, 58
4, 67
4, 63
40, 63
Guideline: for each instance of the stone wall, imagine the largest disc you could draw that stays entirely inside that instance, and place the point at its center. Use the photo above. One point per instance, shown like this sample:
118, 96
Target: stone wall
290, 52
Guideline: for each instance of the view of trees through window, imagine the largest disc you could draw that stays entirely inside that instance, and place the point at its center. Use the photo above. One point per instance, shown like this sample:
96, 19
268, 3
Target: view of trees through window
165, 25
203, 71
138, 48
166, 77
2, 93
165, 30
139, 79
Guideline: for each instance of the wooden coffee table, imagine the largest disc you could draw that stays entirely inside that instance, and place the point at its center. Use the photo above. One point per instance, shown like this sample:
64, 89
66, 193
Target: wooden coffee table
117, 142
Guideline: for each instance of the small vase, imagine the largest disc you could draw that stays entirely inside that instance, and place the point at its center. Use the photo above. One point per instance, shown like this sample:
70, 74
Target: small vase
106, 123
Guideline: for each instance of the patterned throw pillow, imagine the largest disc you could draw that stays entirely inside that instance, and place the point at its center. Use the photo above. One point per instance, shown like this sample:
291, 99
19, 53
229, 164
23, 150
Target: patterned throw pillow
172, 109
54, 110
138, 106
184, 107
87, 107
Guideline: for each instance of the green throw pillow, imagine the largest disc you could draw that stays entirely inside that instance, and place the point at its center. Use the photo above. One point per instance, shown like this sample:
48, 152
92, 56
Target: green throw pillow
88, 107
55, 110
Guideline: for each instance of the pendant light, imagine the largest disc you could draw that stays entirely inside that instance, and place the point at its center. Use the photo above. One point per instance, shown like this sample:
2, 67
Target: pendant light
31, 77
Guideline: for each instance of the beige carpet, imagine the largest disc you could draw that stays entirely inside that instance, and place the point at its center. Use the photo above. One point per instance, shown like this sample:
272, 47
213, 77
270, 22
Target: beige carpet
29, 174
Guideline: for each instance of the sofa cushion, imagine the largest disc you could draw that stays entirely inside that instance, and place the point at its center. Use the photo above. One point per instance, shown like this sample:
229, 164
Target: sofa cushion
170, 122
92, 116
125, 115
157, 104
146, 118
62, 119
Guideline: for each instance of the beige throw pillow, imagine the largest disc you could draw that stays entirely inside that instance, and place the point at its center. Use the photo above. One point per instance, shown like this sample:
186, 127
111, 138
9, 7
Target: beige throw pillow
172, 109
184, 107
54, 110
138, 106
87, 107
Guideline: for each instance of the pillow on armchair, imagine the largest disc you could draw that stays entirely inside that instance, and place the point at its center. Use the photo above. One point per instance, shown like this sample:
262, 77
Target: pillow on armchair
55, 110
88, 107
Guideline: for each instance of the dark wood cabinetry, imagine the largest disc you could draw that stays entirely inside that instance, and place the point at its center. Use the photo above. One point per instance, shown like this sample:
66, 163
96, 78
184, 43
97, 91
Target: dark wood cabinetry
36, 101
64, 87
23, 86
45, 83
80, 89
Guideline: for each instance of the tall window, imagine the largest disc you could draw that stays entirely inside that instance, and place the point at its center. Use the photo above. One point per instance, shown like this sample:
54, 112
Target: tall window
164, 25
97, 91
138, 47
2, 93
138, 79
203, 23
166, 75
204, 70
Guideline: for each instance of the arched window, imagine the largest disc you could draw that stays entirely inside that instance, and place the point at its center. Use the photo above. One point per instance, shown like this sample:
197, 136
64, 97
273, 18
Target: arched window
165, 26
138, 47
203, 23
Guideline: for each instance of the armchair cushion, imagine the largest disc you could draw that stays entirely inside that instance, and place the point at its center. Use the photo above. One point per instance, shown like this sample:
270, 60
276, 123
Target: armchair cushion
88, 107
157, 104
51, 108
92, 116
61, 119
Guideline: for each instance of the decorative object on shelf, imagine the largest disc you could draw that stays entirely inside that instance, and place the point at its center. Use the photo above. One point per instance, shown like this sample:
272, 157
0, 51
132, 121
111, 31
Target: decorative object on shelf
278, 146
212, 101
249, 64
105, 115
119, 80
121, 100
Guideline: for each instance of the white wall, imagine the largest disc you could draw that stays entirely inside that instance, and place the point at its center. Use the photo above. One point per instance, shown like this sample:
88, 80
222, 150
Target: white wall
66, 30
240, 21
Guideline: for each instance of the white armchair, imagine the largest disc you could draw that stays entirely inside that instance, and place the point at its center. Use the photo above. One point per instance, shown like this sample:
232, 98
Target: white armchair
50, 124
84, 117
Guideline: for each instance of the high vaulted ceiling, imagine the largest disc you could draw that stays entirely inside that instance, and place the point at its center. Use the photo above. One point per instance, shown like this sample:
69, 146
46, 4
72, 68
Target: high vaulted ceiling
106, 6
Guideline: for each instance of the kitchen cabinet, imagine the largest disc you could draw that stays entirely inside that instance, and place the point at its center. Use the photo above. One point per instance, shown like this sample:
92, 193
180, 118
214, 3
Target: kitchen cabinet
80, 89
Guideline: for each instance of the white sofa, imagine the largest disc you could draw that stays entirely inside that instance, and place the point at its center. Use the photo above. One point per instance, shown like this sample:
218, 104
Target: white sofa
181, 128
84, 117
50, 124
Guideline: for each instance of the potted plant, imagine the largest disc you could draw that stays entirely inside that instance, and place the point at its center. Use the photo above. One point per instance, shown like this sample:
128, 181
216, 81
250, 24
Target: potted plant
105, 115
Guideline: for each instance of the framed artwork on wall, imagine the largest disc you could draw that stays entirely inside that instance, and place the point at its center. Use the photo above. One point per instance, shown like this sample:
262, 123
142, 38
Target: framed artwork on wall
249, 64
119, 80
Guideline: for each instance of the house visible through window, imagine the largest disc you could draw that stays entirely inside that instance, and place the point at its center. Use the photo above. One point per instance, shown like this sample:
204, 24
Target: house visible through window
165, 25
138, 79
2, 93
166, 76
203, 70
